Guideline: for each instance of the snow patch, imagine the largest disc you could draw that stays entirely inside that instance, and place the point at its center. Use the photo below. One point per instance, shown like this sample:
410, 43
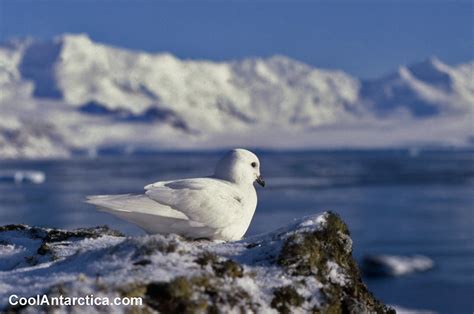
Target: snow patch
336, 274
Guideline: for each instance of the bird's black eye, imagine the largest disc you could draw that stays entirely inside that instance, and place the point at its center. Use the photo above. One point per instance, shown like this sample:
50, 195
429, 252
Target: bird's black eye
254, 164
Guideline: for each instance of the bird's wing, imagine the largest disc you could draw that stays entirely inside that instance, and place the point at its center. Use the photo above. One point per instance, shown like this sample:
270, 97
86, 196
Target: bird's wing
153, 223
151, 216
209, 201
133, 203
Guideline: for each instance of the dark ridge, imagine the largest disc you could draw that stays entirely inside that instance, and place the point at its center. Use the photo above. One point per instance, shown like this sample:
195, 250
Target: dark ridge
151, 115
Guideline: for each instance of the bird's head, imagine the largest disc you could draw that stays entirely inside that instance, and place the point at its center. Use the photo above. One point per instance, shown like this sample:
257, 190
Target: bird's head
239, 166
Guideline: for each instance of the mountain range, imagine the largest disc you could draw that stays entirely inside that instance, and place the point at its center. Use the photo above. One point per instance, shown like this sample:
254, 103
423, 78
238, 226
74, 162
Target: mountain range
71, 95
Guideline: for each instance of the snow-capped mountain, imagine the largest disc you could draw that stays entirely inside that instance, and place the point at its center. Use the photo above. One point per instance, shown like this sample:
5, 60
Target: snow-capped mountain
72, 94
424, 89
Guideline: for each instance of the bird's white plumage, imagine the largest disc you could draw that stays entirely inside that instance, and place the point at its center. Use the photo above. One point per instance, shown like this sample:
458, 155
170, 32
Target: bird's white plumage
222, 201
216, 207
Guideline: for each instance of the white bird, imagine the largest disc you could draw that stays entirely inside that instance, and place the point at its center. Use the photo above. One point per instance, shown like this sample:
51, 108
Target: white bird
218, 207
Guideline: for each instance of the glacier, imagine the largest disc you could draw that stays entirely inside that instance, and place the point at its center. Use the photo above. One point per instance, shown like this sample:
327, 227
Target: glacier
71, 95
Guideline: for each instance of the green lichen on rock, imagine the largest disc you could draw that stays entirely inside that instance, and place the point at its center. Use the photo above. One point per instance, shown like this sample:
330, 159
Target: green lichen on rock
308, 254
228, 268
44, 249
222, 268
50, 238
286, 297
54, 236
209, 292
57, 235
12, 228
31, 232
207, 258
175, 296
81, 233
156, 245
198, 294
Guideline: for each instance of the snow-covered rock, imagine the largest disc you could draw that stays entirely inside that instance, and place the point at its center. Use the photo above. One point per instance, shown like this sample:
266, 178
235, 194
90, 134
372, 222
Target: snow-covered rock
395, 265
306, 266
71, 94
403, 310
23, 176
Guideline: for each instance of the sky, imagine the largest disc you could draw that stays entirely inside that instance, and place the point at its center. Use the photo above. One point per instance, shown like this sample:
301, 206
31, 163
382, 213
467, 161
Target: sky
364, 38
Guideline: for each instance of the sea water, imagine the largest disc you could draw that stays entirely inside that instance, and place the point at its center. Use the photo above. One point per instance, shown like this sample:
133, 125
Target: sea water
398, 202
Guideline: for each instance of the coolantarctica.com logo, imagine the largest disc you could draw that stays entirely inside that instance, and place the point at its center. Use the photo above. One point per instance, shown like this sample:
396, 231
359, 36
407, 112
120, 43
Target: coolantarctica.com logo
89, 300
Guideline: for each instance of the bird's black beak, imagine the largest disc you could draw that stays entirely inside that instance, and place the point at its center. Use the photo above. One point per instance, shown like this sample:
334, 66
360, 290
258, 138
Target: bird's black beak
260, 181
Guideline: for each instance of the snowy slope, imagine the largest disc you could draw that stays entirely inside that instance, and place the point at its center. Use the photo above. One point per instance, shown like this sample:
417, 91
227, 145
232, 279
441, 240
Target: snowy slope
424, 89
71, 94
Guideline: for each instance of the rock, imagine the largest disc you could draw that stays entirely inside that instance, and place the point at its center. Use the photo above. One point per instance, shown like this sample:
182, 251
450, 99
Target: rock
304, 267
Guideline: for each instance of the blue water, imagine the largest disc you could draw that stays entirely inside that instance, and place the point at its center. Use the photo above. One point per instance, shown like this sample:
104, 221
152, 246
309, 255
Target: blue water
395, 202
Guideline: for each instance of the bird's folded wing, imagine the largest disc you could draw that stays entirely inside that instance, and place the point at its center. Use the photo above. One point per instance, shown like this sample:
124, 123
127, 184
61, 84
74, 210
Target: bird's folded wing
153, 223
133, 203
205, 200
